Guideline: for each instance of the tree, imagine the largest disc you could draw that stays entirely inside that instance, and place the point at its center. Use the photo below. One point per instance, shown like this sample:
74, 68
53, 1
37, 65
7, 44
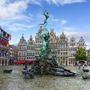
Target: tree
80, 54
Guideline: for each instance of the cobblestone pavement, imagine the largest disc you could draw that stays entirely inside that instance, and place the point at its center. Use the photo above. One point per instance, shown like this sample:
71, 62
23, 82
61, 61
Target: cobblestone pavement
16, 81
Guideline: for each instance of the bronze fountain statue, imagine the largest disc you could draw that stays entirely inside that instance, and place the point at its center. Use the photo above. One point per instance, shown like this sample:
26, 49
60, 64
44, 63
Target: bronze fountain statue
43, 63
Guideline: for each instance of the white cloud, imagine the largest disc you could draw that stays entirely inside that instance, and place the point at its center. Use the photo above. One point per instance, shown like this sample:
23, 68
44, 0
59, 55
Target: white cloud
16, 28
88, 45
14, 23
5, 23
11, 9
53, 19
21, 17
63, 22
19, 27
77, 35
40, 16
62, 2
14, 41
72, 28
15, 38
38, 2
68, 29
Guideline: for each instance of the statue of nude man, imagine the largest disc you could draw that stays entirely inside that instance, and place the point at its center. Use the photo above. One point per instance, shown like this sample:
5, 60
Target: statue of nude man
46, 17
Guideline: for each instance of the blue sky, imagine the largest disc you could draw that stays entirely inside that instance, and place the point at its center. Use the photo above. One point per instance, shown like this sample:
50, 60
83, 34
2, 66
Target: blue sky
19, 17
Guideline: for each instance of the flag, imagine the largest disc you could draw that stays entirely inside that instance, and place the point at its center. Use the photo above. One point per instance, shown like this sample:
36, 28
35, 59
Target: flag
6, 35
4, 43
7, 45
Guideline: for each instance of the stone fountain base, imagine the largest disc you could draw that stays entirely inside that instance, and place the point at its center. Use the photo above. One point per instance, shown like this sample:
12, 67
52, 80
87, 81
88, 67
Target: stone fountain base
45, 66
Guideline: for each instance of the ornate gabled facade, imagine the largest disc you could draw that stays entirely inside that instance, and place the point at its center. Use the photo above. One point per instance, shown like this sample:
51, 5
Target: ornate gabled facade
60, 47
38, 42
63, 49
82, 43
30, 49
72, 50
53, 43
22, 47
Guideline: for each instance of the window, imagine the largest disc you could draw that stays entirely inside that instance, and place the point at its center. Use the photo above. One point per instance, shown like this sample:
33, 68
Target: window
61, 53
51, 39
66, 53
19, 53
19, 48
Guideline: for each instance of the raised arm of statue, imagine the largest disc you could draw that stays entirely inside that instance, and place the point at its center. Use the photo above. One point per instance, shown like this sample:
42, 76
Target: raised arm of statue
45, 11
46, 14
46, 17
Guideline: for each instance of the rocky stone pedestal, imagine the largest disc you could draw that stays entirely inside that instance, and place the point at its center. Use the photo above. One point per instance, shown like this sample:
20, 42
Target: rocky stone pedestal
50, 66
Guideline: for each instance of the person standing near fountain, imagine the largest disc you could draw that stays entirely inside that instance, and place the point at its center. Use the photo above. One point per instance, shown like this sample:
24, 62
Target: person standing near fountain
79, 66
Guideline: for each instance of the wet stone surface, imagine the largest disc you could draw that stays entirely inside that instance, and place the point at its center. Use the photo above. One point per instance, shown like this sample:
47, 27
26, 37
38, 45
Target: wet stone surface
16, 80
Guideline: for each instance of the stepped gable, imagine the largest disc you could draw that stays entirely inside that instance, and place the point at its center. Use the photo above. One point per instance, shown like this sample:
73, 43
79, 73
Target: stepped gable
53, 37
22, 40
82, 43
63, 37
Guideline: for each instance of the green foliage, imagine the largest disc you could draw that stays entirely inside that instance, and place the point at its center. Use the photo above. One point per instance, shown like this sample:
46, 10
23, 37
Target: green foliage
80, 54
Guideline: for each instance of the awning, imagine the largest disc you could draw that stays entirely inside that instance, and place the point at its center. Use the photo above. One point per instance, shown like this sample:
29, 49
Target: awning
29, 60
19, 61
23, 61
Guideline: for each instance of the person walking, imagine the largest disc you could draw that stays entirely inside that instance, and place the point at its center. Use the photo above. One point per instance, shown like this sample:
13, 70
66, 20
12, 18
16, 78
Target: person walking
79, 66
83, 65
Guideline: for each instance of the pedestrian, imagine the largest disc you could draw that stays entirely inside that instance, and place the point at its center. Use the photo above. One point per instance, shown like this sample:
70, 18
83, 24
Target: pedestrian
75, 64
83, 65
79, 66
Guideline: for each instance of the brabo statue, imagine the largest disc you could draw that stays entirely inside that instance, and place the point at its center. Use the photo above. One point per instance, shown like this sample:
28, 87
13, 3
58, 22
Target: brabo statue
45, 37
46, 16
